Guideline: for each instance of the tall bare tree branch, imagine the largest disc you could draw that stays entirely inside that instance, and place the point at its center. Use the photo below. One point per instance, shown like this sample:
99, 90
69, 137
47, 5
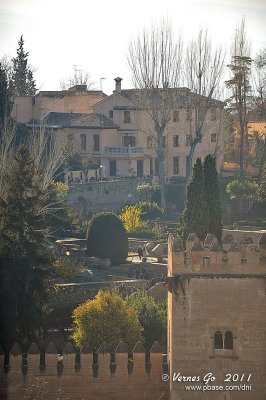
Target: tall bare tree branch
203, 70
155, 60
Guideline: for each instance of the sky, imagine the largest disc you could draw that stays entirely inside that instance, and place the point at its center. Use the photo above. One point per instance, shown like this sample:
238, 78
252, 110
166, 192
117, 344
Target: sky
93, 36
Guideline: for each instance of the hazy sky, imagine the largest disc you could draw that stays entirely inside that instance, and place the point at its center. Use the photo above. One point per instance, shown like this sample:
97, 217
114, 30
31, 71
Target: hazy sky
94, 35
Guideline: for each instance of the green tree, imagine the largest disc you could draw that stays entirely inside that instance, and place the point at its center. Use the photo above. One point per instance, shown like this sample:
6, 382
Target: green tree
107, 238
22, 81
213, 197
107, 318
195, 217
239, 84
149, 210
152, 316
6, 102
23, 255
244, 192
262, 191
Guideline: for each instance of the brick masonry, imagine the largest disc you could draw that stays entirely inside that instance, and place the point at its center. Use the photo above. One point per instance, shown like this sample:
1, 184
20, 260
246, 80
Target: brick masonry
210, 291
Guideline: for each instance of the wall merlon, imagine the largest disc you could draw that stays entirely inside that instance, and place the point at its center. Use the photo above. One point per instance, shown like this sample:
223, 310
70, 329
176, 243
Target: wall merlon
237, 258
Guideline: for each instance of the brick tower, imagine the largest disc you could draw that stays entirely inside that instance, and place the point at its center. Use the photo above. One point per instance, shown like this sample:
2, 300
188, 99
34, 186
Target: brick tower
217, 319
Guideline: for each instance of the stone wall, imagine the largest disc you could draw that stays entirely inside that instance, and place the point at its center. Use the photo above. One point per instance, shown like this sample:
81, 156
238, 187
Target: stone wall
72, 379
105, 196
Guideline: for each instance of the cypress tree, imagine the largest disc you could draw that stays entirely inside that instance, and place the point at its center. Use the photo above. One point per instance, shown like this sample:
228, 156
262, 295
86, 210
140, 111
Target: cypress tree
23, 255
195, 218
213, 197
6, 102
22, 81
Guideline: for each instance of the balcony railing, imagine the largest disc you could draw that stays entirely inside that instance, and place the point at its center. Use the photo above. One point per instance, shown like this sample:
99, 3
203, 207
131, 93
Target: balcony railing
123, 150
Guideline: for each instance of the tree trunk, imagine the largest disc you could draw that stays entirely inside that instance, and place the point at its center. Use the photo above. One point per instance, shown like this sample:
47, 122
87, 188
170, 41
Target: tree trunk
160, 154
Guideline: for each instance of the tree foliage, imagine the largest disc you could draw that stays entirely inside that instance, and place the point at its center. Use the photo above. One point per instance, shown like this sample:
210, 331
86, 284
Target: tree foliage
131, 218
238, 190
239, 85
107, 318
213, 197
149, 210
22, 80
23, 255
6, 102
195, 217
152, 316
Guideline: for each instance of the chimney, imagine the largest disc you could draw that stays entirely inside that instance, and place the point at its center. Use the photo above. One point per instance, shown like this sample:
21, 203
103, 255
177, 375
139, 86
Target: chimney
118, 84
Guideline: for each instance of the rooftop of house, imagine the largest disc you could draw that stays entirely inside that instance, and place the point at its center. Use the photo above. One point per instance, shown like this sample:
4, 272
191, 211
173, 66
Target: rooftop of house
72, 91
177, 97
77, 120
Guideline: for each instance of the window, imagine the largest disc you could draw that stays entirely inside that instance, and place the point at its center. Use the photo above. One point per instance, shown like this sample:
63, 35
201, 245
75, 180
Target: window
188, 140
218, 340
188, 114
111, 114
149, 142
127, 117
228, 340
176, 140
129, 141
223, 341
175, 116
175, 165
213, 114
213, 137
96, 143
83, 144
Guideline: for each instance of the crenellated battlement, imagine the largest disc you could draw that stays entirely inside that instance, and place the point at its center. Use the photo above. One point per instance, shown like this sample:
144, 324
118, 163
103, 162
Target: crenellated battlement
58, 370
210, 257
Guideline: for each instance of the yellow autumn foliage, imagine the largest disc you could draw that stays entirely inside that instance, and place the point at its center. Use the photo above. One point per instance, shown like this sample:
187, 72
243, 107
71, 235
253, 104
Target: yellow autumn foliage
107, 318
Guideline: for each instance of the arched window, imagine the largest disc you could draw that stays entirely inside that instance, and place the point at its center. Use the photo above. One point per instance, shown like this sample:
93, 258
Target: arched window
218, 340
228, 340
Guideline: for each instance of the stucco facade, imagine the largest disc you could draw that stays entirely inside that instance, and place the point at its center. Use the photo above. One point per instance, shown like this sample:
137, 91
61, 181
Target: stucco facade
121, 135
135, 126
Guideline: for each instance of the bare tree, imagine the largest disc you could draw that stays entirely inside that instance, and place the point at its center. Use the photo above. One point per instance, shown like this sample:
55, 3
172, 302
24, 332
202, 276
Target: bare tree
155, 59
239, 84
79, 77
48, 152
203, 70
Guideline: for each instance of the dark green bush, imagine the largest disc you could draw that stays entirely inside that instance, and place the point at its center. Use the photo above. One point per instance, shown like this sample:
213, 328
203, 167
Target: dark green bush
107, 238
149, 210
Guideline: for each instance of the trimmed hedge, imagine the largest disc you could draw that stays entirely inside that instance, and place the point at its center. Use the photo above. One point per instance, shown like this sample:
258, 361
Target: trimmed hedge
107, 238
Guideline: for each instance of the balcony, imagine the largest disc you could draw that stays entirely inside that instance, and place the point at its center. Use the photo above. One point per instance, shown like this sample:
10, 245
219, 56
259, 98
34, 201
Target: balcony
123, 150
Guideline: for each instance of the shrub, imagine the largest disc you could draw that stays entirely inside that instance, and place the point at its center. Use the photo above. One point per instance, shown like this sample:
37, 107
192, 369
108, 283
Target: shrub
152, 316
67, 267
130, 216
150, 192
149, 210
107, 238
107, 318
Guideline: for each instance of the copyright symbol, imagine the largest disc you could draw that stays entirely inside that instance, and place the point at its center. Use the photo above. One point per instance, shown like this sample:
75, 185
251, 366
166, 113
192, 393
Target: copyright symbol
165, 377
